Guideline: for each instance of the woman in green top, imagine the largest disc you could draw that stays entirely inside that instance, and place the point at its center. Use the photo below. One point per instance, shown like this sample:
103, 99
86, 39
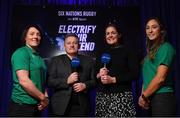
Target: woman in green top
157, 90
28, 68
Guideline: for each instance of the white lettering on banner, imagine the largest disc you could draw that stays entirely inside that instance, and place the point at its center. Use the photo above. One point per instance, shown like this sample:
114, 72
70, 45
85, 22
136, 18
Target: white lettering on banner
77, 13
60, 13
82, 32
82, 37
73, 13
77, 29
87, 46
89, 13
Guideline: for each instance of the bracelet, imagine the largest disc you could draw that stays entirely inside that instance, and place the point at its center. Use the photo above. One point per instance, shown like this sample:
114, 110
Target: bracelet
144, 98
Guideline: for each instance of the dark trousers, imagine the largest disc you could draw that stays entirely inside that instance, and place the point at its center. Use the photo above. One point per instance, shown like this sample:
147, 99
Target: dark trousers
75, 111
23, 110
72, 111
163, 104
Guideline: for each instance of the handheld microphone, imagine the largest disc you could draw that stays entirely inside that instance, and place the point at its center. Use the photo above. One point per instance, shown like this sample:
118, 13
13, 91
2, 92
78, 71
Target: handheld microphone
105, 59
75, 62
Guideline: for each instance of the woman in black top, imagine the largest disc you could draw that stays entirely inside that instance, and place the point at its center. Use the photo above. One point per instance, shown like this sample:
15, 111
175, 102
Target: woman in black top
114, 95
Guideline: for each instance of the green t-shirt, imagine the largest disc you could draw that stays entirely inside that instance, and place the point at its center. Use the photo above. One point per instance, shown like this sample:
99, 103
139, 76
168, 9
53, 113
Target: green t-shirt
164, 56
25, 58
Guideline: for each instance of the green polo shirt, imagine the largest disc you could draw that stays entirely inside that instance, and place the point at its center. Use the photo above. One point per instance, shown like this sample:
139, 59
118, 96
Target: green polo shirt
25, 58
164, 56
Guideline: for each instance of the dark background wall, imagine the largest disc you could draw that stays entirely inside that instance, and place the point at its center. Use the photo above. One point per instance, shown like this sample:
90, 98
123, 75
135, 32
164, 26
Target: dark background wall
167, 10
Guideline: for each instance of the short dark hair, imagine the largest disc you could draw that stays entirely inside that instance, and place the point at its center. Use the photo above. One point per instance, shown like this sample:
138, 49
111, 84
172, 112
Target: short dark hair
27, 27
115, 25
71, 34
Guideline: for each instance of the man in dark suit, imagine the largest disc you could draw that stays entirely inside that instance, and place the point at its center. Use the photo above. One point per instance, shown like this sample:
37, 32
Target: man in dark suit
71, 85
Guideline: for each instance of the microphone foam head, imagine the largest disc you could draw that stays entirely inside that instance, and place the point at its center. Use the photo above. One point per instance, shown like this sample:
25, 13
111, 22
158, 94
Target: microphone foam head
105, 59
75, 62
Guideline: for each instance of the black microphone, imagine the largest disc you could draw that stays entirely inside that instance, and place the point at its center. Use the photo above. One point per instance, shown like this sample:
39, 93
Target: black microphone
105, 59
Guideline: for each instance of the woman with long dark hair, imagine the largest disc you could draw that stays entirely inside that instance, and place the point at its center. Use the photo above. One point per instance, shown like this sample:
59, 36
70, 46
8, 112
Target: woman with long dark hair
157, 90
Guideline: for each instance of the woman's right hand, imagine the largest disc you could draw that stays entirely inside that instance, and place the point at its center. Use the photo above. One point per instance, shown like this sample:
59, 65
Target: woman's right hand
142, 103
103, 71
43, 103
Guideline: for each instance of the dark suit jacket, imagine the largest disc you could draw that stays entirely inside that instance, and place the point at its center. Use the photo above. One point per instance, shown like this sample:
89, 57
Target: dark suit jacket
59, 71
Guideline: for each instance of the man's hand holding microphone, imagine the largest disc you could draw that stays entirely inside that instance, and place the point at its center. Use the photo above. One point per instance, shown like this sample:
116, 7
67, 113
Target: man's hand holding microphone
74, 77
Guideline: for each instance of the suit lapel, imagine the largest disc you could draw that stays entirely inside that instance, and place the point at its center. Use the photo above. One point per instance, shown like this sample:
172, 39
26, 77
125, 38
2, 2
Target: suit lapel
80, 68
67, 64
